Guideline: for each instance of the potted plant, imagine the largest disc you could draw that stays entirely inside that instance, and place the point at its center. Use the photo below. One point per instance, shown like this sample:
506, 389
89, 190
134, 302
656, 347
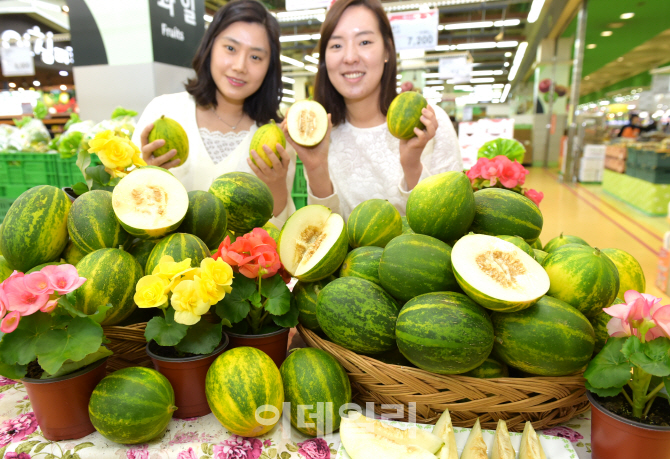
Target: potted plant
56, 350
181, 343
260, 310
625, 380
501, 172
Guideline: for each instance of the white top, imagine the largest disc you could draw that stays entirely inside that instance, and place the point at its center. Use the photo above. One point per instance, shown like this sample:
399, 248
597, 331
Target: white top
200, 170
365, 164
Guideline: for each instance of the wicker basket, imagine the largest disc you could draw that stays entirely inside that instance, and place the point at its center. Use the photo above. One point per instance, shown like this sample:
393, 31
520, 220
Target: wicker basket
129, 346
544, 401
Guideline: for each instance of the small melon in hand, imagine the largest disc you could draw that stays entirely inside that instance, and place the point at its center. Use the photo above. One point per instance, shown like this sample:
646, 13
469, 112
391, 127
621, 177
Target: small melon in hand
174, 135
270, 135
404, 114
307, 123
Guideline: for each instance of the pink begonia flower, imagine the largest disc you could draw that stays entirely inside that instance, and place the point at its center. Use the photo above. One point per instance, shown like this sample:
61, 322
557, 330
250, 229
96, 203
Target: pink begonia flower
3, 301
535, 196
510, 176
638, 307
661, 318
37, 283
476, 171
492, 171
63, 278
10, 322
20, 299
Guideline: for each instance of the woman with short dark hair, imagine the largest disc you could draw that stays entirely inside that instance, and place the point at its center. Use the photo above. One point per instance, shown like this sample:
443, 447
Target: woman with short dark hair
236, 89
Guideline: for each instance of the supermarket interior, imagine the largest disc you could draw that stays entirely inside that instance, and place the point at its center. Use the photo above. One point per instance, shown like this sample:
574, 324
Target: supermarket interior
575, 91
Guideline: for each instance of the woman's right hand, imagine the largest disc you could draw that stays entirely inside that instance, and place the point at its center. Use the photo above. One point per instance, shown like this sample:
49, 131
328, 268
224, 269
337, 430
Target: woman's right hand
149, 148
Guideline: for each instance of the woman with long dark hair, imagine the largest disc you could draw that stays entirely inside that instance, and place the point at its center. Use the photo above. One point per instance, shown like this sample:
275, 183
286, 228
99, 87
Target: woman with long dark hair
236, 89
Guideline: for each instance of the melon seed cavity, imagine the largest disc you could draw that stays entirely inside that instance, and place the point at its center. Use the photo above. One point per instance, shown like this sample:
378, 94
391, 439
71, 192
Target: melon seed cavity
308, 243
502, 267
307, 123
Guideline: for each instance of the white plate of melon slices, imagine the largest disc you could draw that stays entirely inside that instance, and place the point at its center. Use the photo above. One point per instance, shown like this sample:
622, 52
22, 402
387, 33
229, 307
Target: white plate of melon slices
368, 439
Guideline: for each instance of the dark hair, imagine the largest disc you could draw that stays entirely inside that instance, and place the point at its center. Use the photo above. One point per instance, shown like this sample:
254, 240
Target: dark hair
263, 105
324, 91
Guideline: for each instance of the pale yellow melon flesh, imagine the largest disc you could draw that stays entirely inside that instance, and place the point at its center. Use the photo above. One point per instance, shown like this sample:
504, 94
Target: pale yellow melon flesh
475, 447
445, 430
307, 123
530, 447
502, 444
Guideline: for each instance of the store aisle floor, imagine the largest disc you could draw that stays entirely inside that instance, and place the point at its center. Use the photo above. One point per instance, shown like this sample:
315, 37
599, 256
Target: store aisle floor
603, 221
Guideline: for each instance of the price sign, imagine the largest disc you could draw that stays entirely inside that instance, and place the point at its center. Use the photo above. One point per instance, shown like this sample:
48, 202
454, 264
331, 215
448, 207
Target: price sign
415, 30
17, 61
455, 68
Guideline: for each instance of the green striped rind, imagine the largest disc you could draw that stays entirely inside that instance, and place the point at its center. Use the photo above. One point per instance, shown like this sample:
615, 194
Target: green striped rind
150, 234
268, 134
520, 243
248, 201
305, 295
92, 224
363, 262
39, 267
141, 249
174, 135
562, 240
489, 302
631, 276
373, 223
132, 405
444, 333
206, 218
330, 263
499, 211
442, 206
539, 255
583, 277
537, 244
72, 254
491, 368
404, 114
312, 377
551, 338
35, 228
599, 323
240, 381
111, 276
414, 264
5, 270
405, 226
179, 246
357, 315
271, 229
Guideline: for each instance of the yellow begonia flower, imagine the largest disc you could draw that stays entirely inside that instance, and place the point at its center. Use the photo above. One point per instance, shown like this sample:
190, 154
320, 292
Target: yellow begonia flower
150, 292
208, 291
188, 274
137, 156
186, 304
219, 271
167, 268
115, 173
114, 152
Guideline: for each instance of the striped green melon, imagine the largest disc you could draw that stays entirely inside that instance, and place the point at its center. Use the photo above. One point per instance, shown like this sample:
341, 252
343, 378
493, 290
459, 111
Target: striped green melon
92, 224
238, 383
520, 243
132, 405
111, 276
539, 255
491, 368
583, 277
72, 254
313, 243
206, 218
562, 240
363, 262
599, 323
174, 135
444, 333
499, 211
39, 267
141, 249
394, 357
150, 202
272, 230
248, 201
537, 244
550, 338
34, 230
373, 223
442, 206
357, 315
631, 276
179, 246
404, 114
497, 274
405, 225
414, 264
305, 295
5, 270
269, 134
317, 387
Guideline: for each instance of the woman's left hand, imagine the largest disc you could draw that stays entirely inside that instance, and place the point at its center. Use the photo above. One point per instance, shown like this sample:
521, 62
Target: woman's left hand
411, 150
274, 177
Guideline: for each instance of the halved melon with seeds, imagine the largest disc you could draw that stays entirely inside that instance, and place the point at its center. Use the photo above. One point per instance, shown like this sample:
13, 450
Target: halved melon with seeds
307, 122
497, 274
150, 203
313, 243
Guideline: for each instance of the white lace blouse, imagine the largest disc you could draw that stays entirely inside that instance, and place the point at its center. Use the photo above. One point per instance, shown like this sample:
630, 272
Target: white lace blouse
219, 145
365, 164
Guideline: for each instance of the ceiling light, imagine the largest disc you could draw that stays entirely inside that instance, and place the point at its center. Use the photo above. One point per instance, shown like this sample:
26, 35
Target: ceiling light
21, 89
431, 75
463, 87
507, 23
535, 10
445, 48
287, 80
605, 102
606, 33
316, 36
482, 80
506, 64
591, 46
290, 92
398, 77
434, 82
208, 18
311, 59
503, 98
12, 85
434, 88
65, 8
36, 83
508, 54
290, 60
498, 86
627, 15
467, 25
482, 45
518, 58
311, 68
285, 38
486, 72
63, 87
63, 73
315, 55
288, 99
495, 101
507, 44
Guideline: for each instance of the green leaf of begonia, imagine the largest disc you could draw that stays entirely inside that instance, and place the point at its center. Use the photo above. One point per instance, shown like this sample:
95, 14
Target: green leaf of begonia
201, 338
290, 319
609, 392
610, 368
99, 175
165, 331
235, 306
80, 188
82, 337
652, 356
70, 367
19, 346
15, 371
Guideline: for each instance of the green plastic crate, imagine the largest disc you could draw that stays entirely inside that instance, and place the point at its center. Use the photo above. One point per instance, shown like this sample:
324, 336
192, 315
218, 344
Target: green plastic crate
631, 157
299, 199
21, 171
5, 204
652, 159
69, 173
299, 181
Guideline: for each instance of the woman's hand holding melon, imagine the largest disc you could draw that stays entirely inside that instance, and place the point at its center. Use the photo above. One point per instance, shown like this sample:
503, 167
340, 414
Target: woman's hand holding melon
411, 149
274, 177
148, 148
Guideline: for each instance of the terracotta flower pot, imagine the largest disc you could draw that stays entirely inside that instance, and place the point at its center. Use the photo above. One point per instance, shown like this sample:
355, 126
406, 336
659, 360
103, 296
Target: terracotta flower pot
61, 404
70, 193
274, 344
615, 437
187, 377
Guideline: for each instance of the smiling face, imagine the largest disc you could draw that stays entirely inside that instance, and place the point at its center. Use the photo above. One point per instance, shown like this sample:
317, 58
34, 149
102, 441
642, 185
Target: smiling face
355, 56
239, 61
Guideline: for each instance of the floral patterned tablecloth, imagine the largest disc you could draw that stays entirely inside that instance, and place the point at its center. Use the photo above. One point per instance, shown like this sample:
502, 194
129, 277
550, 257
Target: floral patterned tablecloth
197, 438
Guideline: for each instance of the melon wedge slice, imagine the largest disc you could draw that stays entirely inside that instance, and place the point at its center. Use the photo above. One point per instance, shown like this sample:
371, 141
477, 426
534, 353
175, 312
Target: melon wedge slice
502, 444
497, 274
475, 447
530, 447
445, 430
313, 243
409, 437
307, 122
150, 202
